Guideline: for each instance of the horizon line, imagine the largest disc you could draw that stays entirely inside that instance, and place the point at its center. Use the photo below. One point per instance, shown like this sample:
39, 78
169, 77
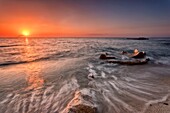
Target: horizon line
86, 37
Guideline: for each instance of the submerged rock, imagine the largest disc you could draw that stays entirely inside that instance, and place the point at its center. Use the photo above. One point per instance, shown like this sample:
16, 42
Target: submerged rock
82, 109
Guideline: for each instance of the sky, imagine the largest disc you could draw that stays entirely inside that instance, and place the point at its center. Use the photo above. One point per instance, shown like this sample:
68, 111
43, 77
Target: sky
86, 18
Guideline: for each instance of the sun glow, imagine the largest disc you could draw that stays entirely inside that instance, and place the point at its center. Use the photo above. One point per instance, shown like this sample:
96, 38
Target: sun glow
25, 33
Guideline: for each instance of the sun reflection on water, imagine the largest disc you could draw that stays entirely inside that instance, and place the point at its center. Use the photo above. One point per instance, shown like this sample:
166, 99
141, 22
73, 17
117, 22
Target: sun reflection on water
26, 41
34, 78
33, 70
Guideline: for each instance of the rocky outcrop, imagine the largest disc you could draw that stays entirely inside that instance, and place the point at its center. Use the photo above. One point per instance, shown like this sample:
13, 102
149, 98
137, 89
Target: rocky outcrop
129, 62
82, 109
82, 102
135, 58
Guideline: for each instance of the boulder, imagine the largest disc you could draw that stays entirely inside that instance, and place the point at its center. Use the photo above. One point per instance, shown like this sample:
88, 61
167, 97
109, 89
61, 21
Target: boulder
82, 109
102, 56
139, 55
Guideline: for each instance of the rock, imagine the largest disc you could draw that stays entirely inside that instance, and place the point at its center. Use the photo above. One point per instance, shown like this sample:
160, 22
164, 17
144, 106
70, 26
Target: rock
123, 52
103, 56
129, 62
135, 54
165, 103
82, 109
139, 55
106, 53
90, 76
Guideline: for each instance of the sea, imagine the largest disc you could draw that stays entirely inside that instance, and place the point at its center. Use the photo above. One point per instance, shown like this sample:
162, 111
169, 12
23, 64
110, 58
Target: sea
53, 75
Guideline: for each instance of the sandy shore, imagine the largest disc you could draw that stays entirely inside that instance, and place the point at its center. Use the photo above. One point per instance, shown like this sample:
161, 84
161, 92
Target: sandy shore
161, 107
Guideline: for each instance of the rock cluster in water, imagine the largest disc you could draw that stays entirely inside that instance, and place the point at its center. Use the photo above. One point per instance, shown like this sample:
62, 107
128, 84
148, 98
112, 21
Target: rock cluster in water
133, 59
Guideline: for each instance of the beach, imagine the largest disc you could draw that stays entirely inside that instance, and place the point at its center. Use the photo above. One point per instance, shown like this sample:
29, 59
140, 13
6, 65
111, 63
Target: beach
55, 76
161, 107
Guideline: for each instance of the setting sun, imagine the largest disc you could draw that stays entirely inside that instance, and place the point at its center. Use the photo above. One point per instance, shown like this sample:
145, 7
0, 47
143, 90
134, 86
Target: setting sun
25, 33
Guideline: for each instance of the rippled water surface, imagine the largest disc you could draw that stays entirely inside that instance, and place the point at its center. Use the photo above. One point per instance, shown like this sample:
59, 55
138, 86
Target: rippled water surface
52, 75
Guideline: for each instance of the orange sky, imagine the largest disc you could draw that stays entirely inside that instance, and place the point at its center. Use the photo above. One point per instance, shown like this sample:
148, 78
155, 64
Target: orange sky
69, 18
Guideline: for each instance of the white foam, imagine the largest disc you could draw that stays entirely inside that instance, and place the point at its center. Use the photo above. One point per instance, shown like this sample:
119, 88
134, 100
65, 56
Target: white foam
114, 85
90, 65
93, 72
103, 74
163, 60
114, 77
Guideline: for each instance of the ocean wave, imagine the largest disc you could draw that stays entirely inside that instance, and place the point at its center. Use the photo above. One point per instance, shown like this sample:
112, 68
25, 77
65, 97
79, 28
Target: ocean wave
163, 61
3, 46
12, 63
54, 56
8, 63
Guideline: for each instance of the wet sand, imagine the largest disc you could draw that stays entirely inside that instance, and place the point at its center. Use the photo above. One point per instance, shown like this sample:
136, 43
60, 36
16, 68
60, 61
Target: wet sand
160, 107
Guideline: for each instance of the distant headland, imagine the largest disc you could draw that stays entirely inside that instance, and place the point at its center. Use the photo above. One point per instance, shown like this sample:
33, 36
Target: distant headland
140, 38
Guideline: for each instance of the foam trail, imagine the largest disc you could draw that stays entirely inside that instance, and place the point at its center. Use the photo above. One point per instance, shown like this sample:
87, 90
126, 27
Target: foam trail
114, 85
125, 105
111, 103
103, 74
133, 89
114, 77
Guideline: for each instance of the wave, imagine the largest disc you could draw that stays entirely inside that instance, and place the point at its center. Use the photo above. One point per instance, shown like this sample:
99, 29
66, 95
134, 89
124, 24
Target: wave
3, 46
55, 56
12, 63
22, 62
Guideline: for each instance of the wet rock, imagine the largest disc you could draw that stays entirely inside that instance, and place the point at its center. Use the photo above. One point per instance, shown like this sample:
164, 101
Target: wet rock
82, 109
129, 62
104, 56
91, 76
139, 55
123, 52
165, 103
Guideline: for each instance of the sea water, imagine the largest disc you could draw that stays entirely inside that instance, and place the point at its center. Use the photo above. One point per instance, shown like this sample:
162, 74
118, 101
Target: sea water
50, 75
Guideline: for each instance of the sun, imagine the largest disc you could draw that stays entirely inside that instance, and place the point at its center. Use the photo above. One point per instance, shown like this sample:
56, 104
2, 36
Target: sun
25, 33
